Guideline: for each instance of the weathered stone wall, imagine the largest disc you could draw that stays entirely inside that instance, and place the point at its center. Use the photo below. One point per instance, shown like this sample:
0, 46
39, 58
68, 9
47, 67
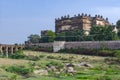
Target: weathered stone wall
58, 45
93, 44
9, 49
46, 45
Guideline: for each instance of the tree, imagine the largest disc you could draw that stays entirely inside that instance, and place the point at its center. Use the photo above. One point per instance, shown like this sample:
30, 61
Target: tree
100, 33
73, 35
48, 37
118, 24
34, 38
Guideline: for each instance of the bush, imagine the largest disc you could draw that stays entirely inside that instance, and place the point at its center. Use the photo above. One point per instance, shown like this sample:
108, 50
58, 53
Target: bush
33, 58
21, 70
97, 52
117, 54
17, 55
54, 63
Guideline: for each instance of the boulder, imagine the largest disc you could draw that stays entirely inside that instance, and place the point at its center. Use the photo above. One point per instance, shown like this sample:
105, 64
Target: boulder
70, 70
41, 72
85, 64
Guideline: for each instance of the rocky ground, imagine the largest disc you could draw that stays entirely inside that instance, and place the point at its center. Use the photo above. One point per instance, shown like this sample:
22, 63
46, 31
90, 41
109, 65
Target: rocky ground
60, 66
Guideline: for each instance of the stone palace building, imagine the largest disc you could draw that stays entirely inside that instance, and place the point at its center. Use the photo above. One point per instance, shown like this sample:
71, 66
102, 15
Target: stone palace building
83, 22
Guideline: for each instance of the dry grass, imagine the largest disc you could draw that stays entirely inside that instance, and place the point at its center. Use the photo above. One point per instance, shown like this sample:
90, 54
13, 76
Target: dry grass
6, 61
65, 55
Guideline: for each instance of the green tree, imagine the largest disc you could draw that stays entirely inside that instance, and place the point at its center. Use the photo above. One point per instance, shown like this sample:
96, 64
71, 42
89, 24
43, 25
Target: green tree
34, 38
118, 24
49, 37
100, 33
73, 35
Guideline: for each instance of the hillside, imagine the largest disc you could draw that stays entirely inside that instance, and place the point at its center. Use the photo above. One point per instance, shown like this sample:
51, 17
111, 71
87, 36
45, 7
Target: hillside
59, 66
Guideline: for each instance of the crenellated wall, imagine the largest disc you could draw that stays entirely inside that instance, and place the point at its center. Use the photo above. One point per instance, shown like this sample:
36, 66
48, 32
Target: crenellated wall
6, 50
80, 21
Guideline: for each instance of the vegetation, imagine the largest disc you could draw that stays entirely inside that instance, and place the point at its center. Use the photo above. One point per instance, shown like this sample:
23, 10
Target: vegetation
97, 33
103, 68
34, 38
118, 24
49, 37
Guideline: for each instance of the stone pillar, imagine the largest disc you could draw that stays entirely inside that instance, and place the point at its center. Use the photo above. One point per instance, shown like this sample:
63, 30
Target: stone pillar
16, 48
6, 51
11, 49
1, 51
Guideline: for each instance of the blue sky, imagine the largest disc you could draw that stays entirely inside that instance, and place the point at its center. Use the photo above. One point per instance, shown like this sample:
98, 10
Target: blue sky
20, 18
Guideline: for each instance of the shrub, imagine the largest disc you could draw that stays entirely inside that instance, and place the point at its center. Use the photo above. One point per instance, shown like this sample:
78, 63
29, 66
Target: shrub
54, 63
117, 54
17, 55
21, 70
33, 58
51, 57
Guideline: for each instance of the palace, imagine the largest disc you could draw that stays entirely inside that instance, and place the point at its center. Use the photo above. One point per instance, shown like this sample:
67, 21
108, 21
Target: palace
83, 22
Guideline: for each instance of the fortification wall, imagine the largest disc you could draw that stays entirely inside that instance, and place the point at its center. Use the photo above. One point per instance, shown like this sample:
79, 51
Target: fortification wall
93, 44
58, 45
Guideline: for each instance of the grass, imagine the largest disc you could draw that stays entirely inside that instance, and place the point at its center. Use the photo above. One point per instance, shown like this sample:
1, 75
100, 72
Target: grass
101, 70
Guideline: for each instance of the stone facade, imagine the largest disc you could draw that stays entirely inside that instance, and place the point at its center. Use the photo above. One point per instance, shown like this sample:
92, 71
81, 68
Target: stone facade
6, 50
83, 22
58, 45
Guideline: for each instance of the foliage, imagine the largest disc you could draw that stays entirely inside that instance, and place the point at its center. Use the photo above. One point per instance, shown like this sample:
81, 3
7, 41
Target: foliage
39, 48
97, 33
17, 55
74, 35
34, 38
32, 57
100, 33
118, 24
55, 63
49, 37
97, 52
21, 70
117, 54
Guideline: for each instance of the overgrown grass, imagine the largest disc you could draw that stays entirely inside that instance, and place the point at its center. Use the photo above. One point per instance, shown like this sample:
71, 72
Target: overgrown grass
104, 68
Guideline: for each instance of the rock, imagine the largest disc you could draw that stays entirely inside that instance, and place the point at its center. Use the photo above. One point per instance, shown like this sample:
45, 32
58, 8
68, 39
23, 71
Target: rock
69, 65
70, 70
36, 67
41, 72
85, 64
51, 68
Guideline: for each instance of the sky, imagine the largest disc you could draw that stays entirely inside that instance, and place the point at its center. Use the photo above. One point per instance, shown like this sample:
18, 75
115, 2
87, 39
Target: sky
21, 18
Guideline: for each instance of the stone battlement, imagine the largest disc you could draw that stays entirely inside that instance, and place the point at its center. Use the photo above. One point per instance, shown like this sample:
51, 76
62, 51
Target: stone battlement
80, 16
80, 21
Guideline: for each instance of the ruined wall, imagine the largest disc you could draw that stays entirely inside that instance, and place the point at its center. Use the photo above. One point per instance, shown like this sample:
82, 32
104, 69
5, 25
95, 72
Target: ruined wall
93, 44
58, 45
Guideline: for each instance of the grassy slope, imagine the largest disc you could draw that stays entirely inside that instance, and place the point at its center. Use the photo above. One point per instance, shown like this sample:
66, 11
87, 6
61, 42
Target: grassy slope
101, 68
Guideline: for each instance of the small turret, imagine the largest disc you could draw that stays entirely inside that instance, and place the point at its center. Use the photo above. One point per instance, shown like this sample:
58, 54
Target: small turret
89, 15
82, 14
106, 19
85, 14
62, 17
75, 15
79, 15
96, 15
68, 16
